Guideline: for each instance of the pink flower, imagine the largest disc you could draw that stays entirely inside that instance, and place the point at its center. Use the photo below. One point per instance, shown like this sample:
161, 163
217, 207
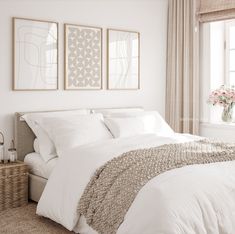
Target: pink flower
222, 96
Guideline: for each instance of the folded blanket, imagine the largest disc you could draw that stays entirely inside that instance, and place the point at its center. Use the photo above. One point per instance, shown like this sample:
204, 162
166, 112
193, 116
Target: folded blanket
114, 186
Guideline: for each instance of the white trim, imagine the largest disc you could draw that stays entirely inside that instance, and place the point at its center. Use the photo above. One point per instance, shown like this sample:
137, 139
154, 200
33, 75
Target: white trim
227, 24
205, 72
219, 125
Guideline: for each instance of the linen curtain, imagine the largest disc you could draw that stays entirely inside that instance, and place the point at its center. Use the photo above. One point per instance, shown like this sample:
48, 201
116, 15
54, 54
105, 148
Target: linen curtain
182, 85
212, 10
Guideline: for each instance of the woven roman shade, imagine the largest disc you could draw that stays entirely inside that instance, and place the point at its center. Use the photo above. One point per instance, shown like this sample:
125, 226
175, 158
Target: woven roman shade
213, 10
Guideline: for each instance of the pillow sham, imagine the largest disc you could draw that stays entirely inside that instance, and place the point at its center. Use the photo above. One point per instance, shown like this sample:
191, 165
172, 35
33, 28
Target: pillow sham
46, 146
75, 131
109, 112
36, 146
135, 124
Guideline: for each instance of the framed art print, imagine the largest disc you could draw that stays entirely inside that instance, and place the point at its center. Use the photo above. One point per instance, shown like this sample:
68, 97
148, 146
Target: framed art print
83, 57
35, 45
123, 55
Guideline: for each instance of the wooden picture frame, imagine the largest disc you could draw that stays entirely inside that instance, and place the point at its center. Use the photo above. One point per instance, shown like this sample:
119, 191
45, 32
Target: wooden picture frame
35, 54
123, 59
83, 57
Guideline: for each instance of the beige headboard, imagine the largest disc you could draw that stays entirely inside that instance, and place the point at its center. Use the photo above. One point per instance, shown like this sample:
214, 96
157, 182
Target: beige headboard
24, 137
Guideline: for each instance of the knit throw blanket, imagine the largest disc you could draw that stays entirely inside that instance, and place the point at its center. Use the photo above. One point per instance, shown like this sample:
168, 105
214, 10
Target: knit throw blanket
114, 186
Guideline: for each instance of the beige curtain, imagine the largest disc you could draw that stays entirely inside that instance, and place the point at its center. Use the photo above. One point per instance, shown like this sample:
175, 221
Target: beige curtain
182, 86
212, 10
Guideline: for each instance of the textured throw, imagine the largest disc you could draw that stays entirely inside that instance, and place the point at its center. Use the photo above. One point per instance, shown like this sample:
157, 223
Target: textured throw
115, 185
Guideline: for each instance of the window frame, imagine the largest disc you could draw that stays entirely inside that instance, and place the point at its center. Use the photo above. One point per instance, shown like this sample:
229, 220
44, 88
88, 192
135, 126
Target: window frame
227, 25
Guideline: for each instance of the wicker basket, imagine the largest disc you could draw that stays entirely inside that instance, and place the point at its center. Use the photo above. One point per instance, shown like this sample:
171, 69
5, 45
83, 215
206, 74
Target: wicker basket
13, 185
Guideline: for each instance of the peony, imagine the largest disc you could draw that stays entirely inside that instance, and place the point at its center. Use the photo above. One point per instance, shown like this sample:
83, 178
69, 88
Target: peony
223, 96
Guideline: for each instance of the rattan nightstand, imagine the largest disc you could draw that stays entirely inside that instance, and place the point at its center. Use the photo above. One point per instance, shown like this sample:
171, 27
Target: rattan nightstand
13, 185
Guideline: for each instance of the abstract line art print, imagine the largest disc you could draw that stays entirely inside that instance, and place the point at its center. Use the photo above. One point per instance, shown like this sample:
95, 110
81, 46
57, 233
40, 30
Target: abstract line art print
123, 59
83, 57
35, 45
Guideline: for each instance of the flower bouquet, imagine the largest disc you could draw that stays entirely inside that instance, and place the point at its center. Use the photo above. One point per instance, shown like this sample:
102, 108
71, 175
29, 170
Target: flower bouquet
224, 97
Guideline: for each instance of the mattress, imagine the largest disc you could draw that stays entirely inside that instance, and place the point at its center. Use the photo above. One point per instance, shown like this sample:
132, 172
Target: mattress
37, 166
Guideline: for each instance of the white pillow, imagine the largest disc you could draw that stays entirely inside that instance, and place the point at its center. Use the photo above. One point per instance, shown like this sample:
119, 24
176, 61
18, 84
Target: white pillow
122, 111
36, 146
141, 123
46, 146
75, 131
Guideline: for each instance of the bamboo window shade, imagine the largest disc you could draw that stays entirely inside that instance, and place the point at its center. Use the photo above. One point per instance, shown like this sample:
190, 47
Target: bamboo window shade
214, 10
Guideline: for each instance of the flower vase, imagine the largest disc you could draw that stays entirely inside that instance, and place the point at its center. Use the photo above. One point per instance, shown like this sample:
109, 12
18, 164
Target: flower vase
227, 114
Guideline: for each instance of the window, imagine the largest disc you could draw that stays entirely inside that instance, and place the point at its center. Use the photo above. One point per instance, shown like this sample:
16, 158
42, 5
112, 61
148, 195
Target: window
230, 52
222, 52
217, 58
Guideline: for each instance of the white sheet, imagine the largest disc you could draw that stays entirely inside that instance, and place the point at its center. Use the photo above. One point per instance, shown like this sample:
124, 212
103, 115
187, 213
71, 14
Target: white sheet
194, 199
37, 166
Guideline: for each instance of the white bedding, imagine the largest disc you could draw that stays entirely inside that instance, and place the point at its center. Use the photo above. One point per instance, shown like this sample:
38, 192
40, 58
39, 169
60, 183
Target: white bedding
194, 199
37, 166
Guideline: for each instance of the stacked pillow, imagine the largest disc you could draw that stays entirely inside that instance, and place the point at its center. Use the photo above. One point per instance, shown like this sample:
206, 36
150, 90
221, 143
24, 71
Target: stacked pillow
58, 131
131, 124
120, 111
34, 120
36, 146
76, 130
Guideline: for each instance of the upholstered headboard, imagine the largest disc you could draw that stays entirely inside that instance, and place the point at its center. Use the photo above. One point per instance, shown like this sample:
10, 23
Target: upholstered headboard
24, 137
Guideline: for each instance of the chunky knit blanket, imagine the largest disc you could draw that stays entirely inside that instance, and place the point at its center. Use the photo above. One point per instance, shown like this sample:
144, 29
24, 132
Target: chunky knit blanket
114, 186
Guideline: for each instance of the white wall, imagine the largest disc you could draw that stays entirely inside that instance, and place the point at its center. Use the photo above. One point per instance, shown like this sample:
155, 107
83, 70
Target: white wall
149, 17
219, 131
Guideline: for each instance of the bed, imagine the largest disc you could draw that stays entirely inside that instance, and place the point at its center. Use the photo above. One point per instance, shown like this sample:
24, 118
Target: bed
134, 182
24, 139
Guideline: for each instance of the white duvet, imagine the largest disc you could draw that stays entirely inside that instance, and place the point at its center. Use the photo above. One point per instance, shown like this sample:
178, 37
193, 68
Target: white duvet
196, 199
